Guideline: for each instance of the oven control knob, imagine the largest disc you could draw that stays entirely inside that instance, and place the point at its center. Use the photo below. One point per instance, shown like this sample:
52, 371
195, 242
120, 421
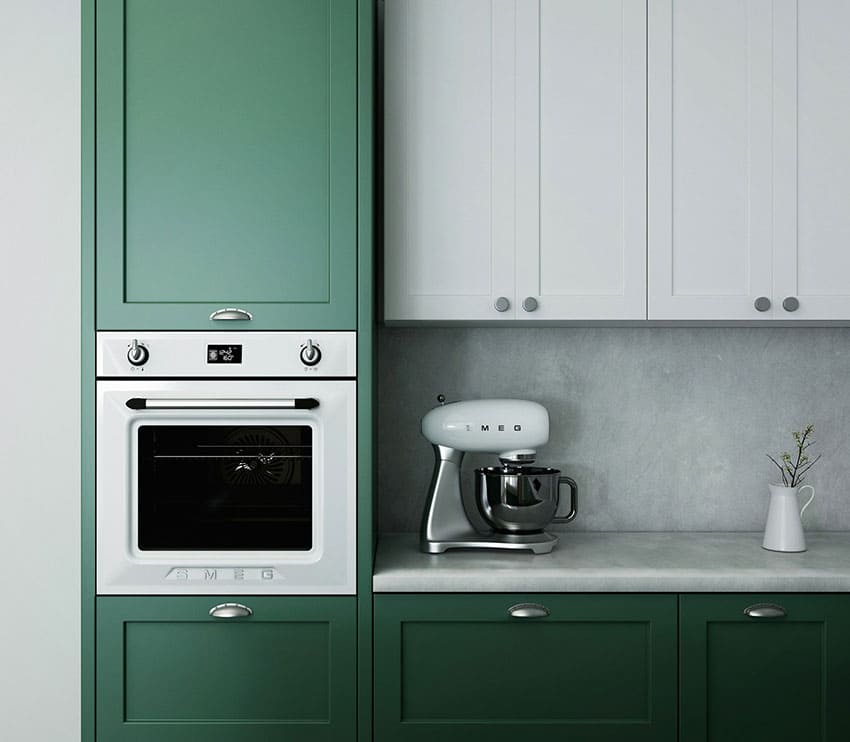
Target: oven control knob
310, 354
138, 354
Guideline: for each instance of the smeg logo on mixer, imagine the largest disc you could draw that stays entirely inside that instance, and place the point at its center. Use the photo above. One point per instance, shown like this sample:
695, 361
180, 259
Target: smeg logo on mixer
500, 428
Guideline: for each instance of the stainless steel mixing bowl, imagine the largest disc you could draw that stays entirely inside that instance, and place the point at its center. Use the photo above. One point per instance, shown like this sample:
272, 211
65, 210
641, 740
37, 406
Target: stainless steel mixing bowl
522, 499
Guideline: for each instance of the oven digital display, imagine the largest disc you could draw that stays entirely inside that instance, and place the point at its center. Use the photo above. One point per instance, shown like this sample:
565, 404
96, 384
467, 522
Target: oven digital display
224, 354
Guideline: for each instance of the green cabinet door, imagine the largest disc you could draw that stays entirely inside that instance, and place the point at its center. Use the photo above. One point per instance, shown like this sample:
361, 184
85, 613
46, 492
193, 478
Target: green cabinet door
168, 672
779, 679
459, 668
226, 163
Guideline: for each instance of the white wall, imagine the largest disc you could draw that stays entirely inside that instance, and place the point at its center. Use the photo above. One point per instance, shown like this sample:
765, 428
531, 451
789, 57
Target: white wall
39, 370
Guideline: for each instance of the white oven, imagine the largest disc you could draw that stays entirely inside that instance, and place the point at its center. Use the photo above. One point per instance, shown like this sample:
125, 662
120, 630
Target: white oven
226, 463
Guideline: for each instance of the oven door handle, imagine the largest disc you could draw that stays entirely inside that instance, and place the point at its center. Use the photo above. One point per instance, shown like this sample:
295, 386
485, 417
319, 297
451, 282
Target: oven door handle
303, 403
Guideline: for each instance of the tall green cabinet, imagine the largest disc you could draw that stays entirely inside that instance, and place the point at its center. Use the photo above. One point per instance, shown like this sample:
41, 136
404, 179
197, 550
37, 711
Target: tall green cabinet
227, 150
226, 163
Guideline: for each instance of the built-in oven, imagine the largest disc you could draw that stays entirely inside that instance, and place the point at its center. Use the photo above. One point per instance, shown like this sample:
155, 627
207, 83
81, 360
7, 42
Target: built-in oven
226, 463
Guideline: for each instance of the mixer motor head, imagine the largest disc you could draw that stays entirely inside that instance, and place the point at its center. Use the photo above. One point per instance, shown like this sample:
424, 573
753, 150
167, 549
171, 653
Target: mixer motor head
512, 428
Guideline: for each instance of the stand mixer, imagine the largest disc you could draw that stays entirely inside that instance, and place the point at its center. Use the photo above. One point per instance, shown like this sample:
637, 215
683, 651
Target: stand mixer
516, 500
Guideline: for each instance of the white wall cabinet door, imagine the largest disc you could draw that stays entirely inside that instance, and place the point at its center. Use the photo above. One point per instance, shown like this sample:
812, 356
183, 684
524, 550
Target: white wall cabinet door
812, 159
581, 159
449, 153
710, 231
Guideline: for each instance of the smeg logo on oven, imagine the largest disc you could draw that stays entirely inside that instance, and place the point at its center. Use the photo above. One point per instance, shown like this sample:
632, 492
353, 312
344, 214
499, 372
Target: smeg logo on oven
219, 574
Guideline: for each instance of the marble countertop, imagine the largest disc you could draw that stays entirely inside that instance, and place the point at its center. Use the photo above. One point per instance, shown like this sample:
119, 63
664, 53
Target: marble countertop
620, 562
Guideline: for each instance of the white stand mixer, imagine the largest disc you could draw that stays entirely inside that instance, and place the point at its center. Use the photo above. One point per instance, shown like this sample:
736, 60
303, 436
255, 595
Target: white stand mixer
516, 500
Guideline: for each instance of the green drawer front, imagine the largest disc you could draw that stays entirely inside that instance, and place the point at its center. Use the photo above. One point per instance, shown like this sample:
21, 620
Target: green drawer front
168, 671
783, 679
460, 668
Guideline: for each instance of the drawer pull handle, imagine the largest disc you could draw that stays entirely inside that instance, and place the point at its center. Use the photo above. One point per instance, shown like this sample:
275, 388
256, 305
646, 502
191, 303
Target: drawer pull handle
765, 610
230, 610
231, 313
528, 610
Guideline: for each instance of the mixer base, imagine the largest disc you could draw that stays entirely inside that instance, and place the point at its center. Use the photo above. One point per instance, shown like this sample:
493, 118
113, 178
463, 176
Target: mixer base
537, 543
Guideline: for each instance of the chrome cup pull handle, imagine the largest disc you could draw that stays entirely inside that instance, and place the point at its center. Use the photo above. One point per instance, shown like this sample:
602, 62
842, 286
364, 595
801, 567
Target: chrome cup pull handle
571, 483
231, 313
230, 610
765, 610
528, 610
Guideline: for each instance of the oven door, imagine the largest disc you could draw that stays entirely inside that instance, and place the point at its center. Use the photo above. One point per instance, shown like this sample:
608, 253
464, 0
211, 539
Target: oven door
207, 487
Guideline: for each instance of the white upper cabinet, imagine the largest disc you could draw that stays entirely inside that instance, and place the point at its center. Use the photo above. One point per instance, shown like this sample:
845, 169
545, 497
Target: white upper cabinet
449, 223
581, 159
710, 165
514, 159
749, 160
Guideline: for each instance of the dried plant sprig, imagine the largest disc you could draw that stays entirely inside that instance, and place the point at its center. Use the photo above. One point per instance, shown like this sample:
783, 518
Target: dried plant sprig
794, 469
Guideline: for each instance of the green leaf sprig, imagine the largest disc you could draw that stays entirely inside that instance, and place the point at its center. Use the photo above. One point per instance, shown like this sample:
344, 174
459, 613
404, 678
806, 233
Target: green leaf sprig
795, 467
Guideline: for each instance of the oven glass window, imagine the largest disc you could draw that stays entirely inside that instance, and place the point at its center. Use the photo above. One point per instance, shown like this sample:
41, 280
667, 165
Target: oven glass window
216, 487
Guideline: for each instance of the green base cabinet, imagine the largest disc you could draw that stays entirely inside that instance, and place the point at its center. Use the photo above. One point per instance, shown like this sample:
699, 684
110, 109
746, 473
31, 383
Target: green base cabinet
459, 668
226, 163
168, 672
779, 679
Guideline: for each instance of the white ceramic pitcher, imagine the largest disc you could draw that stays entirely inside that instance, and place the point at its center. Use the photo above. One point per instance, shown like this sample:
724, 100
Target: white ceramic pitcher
784, 529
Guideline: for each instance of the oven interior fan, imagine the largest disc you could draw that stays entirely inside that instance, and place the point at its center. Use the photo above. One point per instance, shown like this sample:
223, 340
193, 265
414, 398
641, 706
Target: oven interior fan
259, 457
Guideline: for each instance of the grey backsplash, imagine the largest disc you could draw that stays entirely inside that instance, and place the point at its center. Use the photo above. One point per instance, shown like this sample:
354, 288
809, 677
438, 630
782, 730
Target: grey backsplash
663, 428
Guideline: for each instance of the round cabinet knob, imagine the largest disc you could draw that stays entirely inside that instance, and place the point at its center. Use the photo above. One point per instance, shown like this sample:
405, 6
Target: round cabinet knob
791, 304
138, 354
502, 304
310, 354
762, 304
529, 304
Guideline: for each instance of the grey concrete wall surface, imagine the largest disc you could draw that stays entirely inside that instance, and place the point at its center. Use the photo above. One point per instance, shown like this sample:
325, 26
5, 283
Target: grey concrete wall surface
663, 428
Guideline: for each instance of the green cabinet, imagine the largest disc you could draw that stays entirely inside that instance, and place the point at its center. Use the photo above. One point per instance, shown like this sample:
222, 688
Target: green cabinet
784, 678
169, 672
460, 668
226, 163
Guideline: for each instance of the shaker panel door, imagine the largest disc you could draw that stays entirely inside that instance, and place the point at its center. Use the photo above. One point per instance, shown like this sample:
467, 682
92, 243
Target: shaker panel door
812, 160
168, 672
783, 679
459, 668
710, 184
581, 159
448, 159
226, 163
